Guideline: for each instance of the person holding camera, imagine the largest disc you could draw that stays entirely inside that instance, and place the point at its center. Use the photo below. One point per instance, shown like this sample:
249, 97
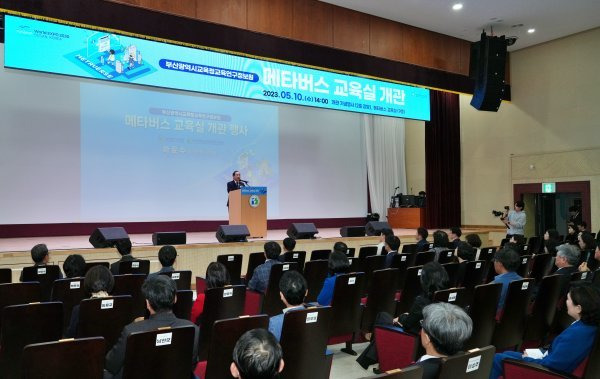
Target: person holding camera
515, 220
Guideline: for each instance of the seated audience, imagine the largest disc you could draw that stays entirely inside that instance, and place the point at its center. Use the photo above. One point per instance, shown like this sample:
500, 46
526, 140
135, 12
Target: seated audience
474, 240
454, 237
160, 294
572, 234
575, 216
440, 242
216, 276
98, 282
289, 244
581, 227
260, 277
167, 255
338, 264
465, 253
292, 291
433, 278
124, 248
584, 266
257, 355
575, 343
587, 244
381, 245
40, 256
506, 262
445, 329
551, 241
74, 266
421, 237
392, 244
340, 247
567, 259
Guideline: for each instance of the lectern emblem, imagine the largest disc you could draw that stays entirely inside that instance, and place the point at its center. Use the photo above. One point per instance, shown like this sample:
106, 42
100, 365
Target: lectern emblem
254, 201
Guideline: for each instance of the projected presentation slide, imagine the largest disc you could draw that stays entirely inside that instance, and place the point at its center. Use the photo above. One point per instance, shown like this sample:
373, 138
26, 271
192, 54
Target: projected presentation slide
62, 49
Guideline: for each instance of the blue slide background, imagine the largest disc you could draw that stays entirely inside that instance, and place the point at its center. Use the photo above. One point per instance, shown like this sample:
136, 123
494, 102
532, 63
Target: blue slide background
130, 158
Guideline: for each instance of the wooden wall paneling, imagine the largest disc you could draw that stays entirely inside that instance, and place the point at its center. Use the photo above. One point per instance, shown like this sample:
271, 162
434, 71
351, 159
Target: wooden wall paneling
351, 30
386, 39
446, 53
465, 56
185, 8
227, 12
416, 46
271, 17
313, 22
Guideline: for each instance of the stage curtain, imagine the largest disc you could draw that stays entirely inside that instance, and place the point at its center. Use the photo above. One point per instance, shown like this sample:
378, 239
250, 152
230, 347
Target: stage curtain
386, 170
442, 161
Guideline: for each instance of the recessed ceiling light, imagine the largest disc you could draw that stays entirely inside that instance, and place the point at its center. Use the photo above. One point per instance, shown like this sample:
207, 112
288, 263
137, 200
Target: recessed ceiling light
532, 30
457, 6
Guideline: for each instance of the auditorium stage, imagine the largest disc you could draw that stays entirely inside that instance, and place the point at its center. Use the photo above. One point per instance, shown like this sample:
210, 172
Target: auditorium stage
201, 248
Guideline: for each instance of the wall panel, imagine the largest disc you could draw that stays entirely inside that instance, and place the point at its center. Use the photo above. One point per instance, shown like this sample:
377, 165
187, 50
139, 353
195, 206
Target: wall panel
350, 30
228, 12
271, 17
386, 39
313, 22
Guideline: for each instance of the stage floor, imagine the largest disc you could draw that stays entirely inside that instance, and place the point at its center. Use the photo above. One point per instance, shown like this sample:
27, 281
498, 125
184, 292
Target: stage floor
81, 242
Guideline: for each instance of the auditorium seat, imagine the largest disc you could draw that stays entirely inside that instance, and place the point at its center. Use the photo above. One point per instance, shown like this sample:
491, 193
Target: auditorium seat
162, 353
233, 263
272, 304
183, 279
351, 251
424, 257
473, 277
486, 253
446, 256
395, 348
25, 324
304, 336
456, 296
401, 262
524, 250
104, 317
363, 253
371, 264
183, 306
220, 350
353, 264
219, 303
89, 265
315, 273
523, 269
254, 260
380, 296
409, 248
131, 284
511, 327
5, 275
296, 256
137, 266
452, 271
544, 308
473, 364
413, 372
65, 359
536, 245
347, 309
483, 313
319, 254
70, 292
411, 289
46, 275
541, 266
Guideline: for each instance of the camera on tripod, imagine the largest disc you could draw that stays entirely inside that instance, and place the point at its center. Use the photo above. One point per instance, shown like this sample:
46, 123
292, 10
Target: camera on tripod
501, 214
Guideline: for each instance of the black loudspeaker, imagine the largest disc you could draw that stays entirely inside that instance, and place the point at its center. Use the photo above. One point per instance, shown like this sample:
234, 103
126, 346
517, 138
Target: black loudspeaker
108, 237
352, 231
232, 233
302, 230
168, 238
488, 63
374, 228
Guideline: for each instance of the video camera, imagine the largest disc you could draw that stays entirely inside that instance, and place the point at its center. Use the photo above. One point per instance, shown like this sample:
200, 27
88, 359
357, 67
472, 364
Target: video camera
501, 214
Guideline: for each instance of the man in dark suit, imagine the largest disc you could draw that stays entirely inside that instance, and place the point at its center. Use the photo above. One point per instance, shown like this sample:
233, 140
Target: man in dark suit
160, 293
567, 260
124, 248
392, 244
445, 328
260, 277
236, 183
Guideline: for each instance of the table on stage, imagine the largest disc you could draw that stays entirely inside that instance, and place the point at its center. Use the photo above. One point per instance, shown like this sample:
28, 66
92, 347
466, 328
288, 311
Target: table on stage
406, 218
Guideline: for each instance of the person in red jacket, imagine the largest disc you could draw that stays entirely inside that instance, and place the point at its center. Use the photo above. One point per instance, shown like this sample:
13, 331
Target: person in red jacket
216, 276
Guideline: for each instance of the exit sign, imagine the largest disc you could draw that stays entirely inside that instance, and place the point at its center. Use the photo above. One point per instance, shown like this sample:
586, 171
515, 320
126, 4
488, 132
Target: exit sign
548, 187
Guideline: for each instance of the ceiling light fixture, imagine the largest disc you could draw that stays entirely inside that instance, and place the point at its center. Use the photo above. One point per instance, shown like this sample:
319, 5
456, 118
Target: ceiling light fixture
532, 30
457, 6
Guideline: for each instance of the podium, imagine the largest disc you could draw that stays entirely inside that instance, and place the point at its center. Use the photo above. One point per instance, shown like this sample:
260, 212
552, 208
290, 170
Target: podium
248, 206
406, 218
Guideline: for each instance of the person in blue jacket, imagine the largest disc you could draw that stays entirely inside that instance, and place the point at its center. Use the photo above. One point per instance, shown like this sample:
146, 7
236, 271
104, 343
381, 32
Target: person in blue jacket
575, 343
338, 264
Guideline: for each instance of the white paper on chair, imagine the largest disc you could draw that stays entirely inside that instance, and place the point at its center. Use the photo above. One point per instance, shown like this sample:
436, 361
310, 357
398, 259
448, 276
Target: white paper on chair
536, 353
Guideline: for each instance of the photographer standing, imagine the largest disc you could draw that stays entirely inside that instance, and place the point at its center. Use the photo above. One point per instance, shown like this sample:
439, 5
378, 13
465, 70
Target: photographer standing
515, 220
